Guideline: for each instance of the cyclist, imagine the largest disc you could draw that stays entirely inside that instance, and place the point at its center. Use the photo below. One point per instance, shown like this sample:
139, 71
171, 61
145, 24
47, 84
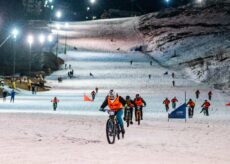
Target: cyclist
166, 102
191, 104
197, 94
115, 103
139, 102
210, 95
174, 100
130, 104
205, 106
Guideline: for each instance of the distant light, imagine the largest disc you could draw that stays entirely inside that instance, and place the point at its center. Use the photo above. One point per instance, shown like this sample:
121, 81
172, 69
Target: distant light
50, 38
167, 1
88, 8
66, 25
92, 1
199, 1
58, 14
94, 17
42, 38
30, 39
15, 33
50, 1
52, 7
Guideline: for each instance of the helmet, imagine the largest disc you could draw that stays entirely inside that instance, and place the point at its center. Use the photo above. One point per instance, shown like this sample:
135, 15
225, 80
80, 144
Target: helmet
137, 95
112, 94
127, 97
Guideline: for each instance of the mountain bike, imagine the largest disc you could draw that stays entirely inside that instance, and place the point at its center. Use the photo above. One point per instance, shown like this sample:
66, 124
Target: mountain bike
128, 118
138, 114
190, 112
112, 127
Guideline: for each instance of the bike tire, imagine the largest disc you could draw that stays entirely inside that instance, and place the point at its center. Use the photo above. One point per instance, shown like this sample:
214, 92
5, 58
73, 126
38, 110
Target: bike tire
138, 117
127, 120
110, 131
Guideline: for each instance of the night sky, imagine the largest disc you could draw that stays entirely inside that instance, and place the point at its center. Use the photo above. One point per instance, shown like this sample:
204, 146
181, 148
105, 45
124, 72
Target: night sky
14, 8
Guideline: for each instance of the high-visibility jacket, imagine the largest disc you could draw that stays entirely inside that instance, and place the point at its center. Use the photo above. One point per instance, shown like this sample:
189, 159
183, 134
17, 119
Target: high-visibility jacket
115, 105
191, 104
166, 102
129, 104
174, 100
138, 102
206, 104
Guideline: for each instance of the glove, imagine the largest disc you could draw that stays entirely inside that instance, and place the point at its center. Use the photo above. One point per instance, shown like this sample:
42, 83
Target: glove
102, 110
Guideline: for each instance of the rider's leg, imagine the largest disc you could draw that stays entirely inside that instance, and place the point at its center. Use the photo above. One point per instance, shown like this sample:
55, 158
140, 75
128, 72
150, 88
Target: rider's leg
131, 115
141, 113
125, 114
120, 121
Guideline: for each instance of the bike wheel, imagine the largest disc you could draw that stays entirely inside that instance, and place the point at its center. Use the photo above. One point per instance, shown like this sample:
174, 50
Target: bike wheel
128, 117
138, 117
110, 131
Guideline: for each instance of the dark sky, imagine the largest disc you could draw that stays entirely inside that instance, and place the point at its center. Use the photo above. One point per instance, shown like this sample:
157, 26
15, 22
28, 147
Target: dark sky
14, 7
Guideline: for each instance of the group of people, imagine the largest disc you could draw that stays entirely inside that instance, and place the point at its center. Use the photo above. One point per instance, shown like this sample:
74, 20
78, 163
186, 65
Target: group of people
5, 93
191, 104
116, 103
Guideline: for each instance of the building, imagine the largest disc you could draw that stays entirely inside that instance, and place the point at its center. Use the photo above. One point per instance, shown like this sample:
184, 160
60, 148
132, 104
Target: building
33, 8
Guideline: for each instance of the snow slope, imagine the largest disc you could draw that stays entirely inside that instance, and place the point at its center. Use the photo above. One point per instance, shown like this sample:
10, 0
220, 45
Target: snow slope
75, 133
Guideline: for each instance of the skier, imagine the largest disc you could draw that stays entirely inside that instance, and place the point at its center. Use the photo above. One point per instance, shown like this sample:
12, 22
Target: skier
129, 106
166, 102
174, 100
173, 75
55, 102
139, 102
12, 95
210, 95
149, 76
131, 62
151, 62
205, 107
93, 93
173, 83
96, 89
197, 94
115, 104
191, 105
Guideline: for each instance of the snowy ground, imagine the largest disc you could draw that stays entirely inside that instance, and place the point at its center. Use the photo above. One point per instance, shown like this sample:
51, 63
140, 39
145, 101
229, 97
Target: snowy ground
33, 133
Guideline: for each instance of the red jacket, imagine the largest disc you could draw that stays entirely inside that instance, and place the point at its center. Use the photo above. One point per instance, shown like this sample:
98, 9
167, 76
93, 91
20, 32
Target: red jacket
206, 104
166, 102
55, 100
174, 100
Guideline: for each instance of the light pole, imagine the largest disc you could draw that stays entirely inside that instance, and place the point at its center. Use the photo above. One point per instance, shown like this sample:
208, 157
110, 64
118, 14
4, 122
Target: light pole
57, 28
14, 33
30, 40
51, 8
66, 26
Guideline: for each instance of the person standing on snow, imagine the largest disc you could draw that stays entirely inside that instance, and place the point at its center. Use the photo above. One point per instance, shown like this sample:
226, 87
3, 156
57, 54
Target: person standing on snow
55, 102
210, 95
93, 94
4, 94
12, 96
174, 100
166, 102
115, 103
197, 94
205, 108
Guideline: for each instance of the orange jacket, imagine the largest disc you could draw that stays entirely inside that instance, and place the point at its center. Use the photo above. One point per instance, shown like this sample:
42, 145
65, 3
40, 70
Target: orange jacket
114, 105
191, 104
166, 102
138, 102
206, 104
